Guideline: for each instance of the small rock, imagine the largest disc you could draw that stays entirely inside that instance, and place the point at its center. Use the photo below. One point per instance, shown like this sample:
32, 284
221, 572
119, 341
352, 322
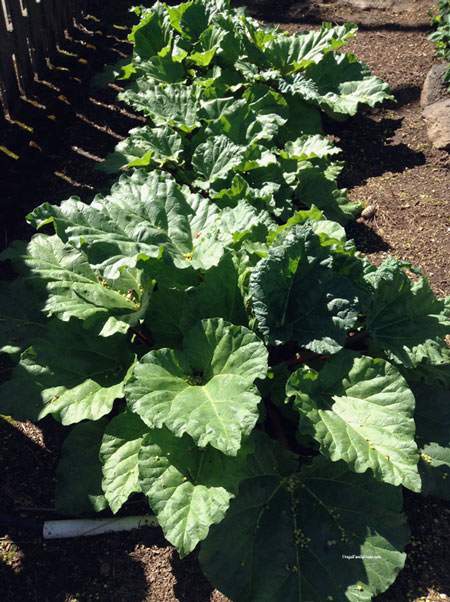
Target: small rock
434, 87
369, 212
437, 117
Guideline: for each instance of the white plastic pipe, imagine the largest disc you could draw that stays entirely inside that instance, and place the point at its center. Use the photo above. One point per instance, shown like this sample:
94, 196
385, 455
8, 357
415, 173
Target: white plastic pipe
64, 529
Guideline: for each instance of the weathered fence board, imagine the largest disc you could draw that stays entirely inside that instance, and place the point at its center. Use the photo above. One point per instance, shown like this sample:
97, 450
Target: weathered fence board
30, 31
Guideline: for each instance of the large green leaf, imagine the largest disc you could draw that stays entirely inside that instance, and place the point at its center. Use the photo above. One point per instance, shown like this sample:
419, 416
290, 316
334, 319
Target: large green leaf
162, 69
295, 52
369, 91
339, 84
119, 453
188, 489
143, 147
360, 410
207, 389
168, 105
189, 18
75, 289
68, 373
306, 148
79, 472
242, 124
403, 315
297, 296
322, 534
431, 355
215, 158
143, 214
221, 40
150, 35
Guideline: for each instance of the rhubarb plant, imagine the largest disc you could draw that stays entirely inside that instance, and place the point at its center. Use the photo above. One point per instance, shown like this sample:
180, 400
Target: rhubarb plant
212, 339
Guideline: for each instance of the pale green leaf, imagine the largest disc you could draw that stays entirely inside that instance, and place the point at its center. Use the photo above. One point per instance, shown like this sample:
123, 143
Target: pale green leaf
360, 410
143, 214
306, 148
206, 390
297, 51
150, 35
216, 157
144, 146
189, 18
161, 69
75, 289
168, 105
189, 489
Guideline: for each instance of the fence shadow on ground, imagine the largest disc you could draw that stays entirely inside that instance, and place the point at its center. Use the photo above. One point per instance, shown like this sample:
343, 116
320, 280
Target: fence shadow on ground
59, 132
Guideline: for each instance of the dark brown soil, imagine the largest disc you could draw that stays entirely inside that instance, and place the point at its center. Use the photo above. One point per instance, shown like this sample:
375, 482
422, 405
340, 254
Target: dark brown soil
391, 166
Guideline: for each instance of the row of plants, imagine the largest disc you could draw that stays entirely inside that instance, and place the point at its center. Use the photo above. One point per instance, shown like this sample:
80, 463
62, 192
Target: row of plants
213, 339
441, 35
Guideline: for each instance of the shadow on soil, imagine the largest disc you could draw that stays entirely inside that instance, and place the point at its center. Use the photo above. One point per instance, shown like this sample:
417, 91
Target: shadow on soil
404, 95
366, 239
366, 149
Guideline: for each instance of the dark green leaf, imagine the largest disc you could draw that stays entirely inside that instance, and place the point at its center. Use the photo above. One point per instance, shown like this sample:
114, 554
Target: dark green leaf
79, 472
325, 534
297, 296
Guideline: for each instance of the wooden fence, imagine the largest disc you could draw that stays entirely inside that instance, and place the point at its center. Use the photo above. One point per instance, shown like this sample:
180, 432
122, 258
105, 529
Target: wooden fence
30, 31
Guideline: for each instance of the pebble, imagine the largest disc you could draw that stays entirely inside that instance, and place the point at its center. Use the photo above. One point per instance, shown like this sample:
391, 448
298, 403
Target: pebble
369, 212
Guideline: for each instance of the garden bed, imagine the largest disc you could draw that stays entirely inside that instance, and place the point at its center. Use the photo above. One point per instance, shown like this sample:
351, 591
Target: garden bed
391, 166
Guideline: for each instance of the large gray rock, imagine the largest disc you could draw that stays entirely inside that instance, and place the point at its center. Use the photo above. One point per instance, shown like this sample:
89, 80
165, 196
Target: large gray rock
392, 5
437, 117
435, 88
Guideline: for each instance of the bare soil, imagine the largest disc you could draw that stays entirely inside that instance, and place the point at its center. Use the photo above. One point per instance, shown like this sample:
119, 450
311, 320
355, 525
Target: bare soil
60, 134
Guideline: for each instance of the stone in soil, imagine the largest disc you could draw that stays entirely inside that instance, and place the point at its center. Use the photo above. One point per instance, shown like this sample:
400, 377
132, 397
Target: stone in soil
437, 118
392, 5
435, 87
